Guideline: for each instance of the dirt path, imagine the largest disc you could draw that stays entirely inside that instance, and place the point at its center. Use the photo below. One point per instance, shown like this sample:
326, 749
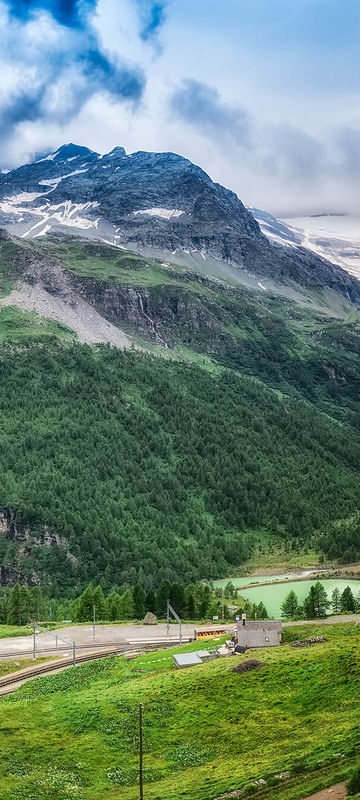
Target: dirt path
336, 792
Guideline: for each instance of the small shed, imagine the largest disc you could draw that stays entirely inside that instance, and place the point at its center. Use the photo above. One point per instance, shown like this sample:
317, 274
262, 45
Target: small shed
182, 660
207, 655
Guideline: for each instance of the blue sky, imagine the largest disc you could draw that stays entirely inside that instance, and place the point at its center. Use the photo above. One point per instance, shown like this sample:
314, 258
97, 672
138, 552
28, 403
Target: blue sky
263, 94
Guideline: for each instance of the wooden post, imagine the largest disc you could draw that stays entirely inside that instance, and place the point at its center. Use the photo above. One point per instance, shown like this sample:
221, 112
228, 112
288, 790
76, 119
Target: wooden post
141, 753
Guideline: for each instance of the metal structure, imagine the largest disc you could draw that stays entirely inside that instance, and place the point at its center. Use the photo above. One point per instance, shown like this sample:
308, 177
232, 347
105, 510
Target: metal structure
141, 752
170, 610
55, 636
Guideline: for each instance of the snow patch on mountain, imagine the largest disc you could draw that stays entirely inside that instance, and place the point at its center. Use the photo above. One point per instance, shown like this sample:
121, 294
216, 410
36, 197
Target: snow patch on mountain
54, 182
23, 197
66, 213
164, 213
335, 237
50, 157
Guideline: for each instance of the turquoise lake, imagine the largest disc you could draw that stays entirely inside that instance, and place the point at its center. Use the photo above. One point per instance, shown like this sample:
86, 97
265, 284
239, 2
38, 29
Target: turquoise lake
220, 584
273, 595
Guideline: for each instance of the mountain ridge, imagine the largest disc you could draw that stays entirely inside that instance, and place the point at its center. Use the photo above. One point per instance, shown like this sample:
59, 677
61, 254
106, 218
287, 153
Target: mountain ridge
161, 205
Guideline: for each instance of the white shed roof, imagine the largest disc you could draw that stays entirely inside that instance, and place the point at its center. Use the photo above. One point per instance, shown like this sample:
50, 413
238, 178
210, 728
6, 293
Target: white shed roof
186, 659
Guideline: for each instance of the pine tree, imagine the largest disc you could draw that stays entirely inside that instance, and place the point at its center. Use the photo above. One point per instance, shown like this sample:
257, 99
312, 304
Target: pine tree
205, 602
190, 608
335, 600
357, 603
36, 603
347, 601
150, 601
162, 596
99, 603
24, 605
14, 606
113, 606
139, 601
261, 611
85, 605
316, 603
229, 590
126, 606
290, 606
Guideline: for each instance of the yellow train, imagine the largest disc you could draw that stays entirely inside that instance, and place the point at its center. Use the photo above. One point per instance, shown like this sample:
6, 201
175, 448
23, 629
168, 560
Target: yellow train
209, 633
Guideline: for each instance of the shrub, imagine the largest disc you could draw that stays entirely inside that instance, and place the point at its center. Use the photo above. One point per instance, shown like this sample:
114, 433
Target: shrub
353, 784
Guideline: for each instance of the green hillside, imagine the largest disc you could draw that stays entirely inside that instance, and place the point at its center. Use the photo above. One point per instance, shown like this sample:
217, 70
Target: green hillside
309, 349
124, 467
207, 730
144, 469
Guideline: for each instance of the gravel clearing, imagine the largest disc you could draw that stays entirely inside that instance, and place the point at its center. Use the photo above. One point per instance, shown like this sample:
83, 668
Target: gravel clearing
73, 311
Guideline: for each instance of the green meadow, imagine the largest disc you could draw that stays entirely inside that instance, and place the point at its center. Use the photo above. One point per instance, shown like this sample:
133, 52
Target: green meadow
207, 730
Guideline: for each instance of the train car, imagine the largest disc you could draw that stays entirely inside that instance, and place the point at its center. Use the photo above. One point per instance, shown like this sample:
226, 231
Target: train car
209, 633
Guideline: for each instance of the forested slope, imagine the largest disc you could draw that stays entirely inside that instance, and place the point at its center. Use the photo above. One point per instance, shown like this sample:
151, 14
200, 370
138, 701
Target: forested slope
132, 468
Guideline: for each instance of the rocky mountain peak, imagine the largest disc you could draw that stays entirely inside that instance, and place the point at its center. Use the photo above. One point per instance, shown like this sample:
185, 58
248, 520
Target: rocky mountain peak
159, 205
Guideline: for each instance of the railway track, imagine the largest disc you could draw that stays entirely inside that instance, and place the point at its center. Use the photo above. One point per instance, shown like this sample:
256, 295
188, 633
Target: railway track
16, 679
122, 644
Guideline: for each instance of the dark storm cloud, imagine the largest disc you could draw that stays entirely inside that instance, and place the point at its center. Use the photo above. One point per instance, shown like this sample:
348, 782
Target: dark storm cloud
202, 106
67, 12
61, 70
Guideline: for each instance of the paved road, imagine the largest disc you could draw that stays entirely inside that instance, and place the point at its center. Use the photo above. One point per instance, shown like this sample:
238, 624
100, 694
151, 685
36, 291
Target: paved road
326, 621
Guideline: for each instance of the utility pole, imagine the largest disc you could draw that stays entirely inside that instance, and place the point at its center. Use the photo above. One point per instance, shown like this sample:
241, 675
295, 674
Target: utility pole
94, 632
222, 602
141, 754
170, 610
34, 642
74, 656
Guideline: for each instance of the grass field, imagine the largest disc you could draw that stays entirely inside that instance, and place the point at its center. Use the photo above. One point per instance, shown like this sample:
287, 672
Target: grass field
8, 667
207, 730
22, 630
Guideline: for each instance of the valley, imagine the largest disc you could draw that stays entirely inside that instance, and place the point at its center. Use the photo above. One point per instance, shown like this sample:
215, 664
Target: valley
179, 400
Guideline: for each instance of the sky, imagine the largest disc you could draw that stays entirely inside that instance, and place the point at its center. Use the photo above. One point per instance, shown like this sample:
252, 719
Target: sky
262, 94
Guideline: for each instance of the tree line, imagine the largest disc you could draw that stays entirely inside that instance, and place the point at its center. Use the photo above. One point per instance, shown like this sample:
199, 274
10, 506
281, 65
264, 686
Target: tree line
196, 601
127, 469
316, 604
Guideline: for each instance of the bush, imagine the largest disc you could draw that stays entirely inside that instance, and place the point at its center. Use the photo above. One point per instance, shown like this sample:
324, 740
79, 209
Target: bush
353, 784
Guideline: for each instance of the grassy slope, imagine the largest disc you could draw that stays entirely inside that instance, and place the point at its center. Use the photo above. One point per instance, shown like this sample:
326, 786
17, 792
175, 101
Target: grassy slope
171, 457
294, 348
206, 729
18, 326
296, 351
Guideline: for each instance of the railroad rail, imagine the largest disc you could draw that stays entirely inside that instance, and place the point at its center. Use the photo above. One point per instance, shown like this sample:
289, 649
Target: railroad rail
16, 679
123, 643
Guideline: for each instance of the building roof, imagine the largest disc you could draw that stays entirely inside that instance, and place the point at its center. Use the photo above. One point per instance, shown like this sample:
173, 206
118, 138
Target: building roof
186, 659
257, 638
256, 624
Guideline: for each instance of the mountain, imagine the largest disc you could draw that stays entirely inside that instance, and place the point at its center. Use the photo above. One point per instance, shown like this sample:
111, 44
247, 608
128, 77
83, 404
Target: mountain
160, 205
163, 414
335, 237
120, 466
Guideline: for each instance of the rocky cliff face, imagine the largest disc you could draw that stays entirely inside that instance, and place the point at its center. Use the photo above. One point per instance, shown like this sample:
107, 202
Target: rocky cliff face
23, 549
157, 202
